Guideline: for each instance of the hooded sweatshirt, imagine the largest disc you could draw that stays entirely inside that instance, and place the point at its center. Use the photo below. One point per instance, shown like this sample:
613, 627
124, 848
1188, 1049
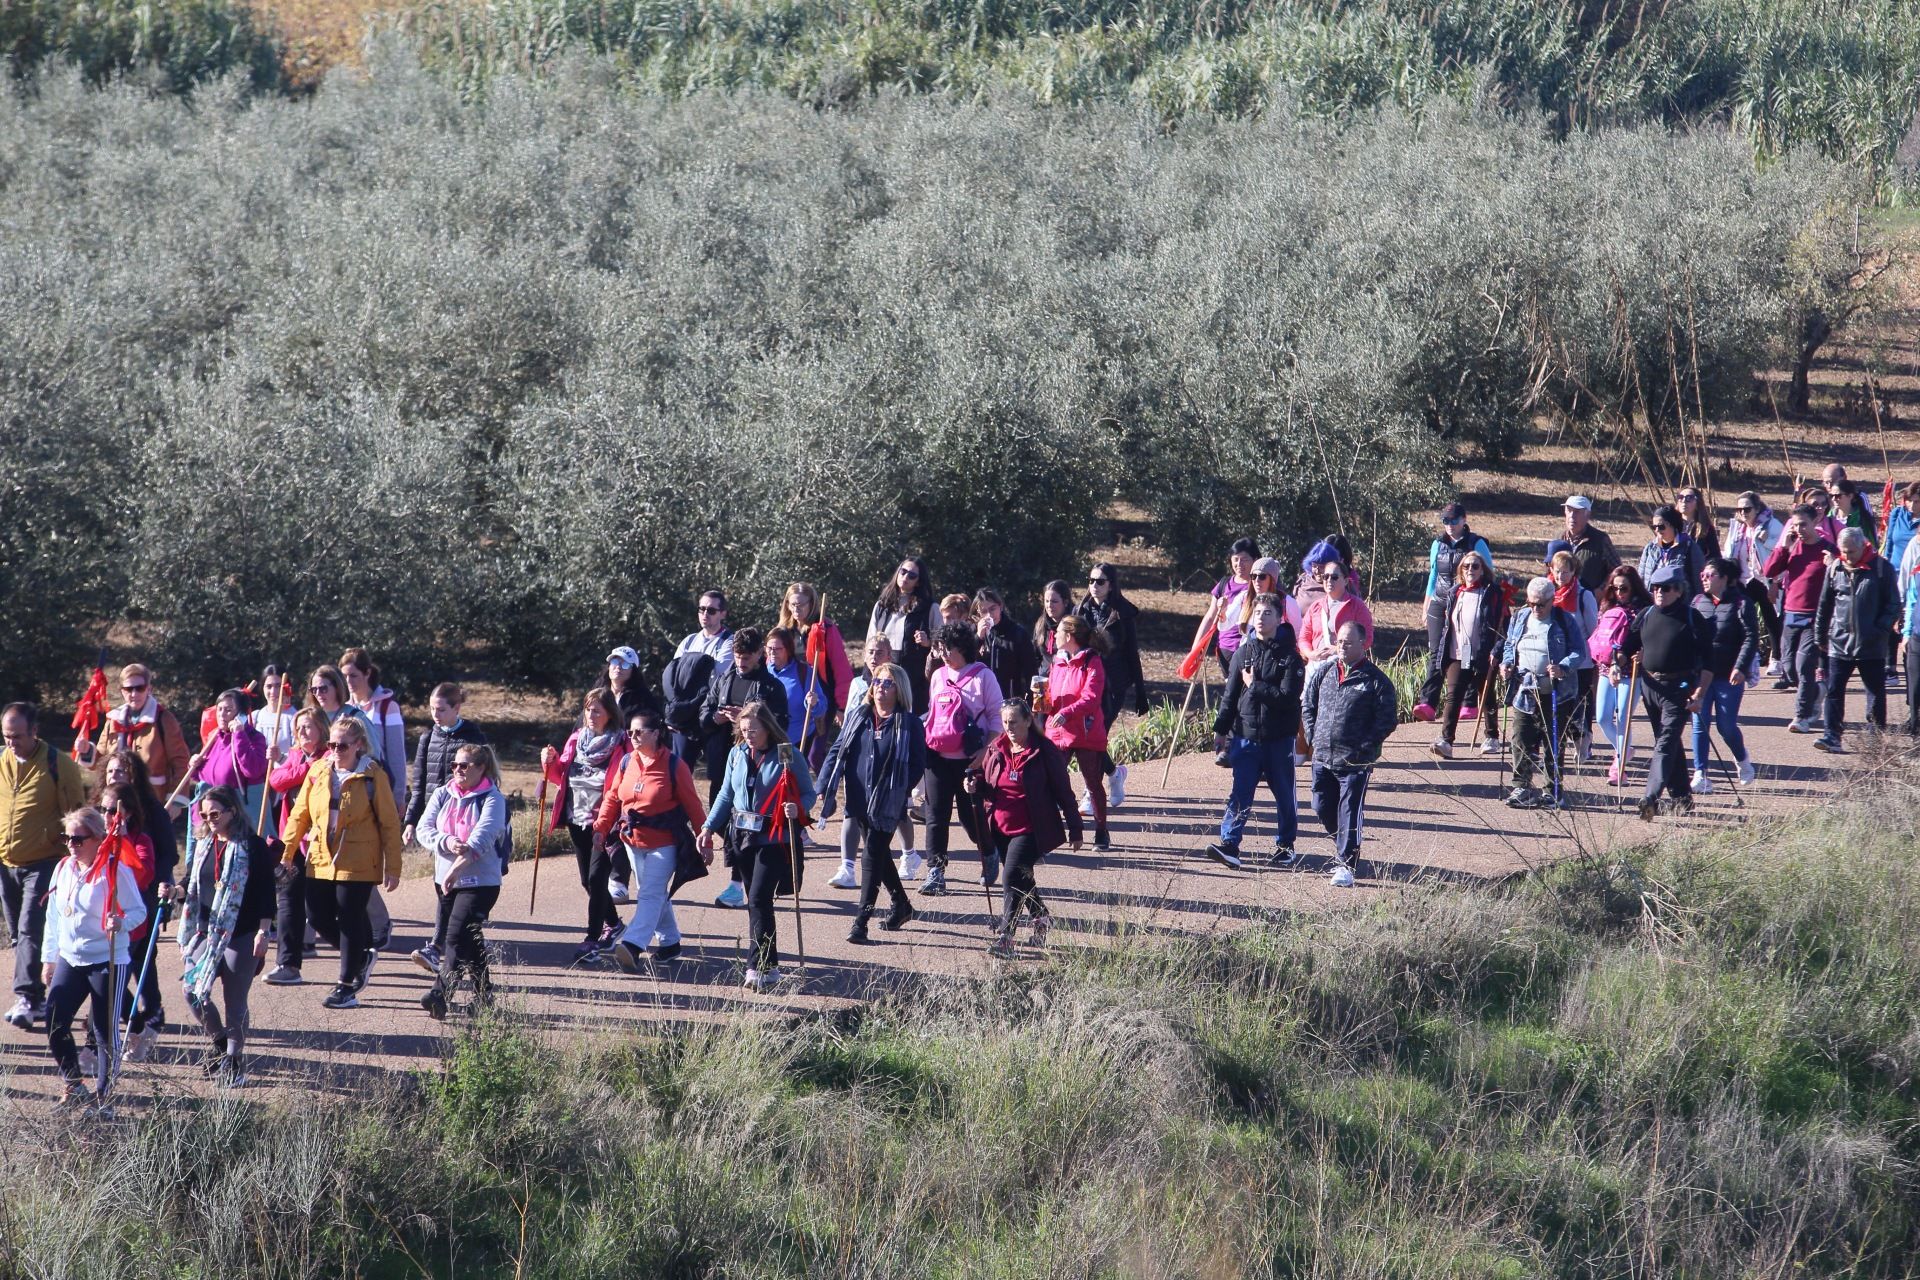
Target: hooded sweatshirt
77, 904
475, 817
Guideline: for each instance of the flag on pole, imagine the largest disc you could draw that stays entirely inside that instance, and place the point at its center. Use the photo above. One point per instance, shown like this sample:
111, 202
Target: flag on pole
1190, 665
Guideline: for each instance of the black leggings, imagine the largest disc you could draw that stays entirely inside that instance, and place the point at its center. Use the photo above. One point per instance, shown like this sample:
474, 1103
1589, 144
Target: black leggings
877, 869
339, 908
152, 1012
467, 939
762, 868
595, 870
72, 984
290, 916
1019, 855
237, 967
944, 792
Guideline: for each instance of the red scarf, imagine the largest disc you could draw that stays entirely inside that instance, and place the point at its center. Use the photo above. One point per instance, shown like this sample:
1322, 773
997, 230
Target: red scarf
1568, 597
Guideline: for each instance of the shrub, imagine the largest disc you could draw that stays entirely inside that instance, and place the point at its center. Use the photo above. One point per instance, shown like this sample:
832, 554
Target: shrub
178, 44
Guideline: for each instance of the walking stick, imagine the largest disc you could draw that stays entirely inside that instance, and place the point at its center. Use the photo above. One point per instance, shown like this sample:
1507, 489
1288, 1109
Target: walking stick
1174, 744
813, 672
1557, 764
140, 987
266, 789
539, 838
793, 864
1626, 732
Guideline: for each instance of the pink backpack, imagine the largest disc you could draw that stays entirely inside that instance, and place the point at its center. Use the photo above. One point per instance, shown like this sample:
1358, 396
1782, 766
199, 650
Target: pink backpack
947, 716
1608, 633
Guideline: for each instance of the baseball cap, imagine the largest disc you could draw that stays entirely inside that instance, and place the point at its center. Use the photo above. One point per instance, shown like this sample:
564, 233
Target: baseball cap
625, 656
1269, 566
1667, 575
1579, 502
1452, 512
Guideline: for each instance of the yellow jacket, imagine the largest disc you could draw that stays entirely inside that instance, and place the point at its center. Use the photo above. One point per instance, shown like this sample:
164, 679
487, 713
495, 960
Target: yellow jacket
33, 801
364, 843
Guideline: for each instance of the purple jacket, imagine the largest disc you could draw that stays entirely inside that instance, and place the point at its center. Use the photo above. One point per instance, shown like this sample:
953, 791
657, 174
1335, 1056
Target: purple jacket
237, 759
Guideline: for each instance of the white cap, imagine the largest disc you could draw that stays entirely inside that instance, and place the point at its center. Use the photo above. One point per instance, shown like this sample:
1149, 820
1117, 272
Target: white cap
625, 656
1579, 502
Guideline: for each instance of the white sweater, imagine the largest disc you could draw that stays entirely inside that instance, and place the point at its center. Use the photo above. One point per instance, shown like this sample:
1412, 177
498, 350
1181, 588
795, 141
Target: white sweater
73, 930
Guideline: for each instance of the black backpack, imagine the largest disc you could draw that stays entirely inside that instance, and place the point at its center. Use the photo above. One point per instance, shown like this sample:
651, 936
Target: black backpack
683, 687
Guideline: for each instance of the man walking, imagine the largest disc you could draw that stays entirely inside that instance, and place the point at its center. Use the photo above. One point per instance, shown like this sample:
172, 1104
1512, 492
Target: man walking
1258, 720
1591, 548
1800, 562
1854, 631
1544, 652
38, 788
1349, 710
1671, 641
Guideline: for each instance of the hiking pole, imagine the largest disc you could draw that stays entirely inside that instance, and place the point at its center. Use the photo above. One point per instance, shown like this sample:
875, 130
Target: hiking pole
539, 816
1173, 744
266, 783
1625, 750
1733, 779
140, 987
793, 864
1557, 763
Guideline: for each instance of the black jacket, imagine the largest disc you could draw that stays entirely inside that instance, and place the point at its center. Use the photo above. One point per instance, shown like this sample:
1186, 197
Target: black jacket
730, 688
1682, 642
1348, 718
880, 769
259, 898
1008, 652
433, 763
1118, 620
1491, 637
1268, 710
1733, 631
1858, 608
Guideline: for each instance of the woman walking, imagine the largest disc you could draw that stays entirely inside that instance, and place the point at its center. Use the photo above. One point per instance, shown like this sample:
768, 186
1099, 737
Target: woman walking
1569, 594
386, 727
1030, 812
432, 768
580, 772
1230, 602
467, 828
879, 657
128, 841
807, 706
346, 806
1336, 606
881, 751
1473, 630
1114, 616
234, 756
651, 805
963, 713
1076, 725
285, 783
820, 643
766, 789
1004, 645
230, 889
1696, 521
273, 721
1670, 545
1752, 535
904, 615
1055, 604
1622, 598
92, 904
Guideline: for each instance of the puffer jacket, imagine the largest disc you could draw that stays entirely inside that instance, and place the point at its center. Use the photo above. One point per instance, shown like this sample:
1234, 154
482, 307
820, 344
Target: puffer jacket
477, 819
1858, 607
1733, 625
1268, 710
1074, 690
1349, 711
1685, 554
880, 770
433, 762
1009, 653
365, 845
35, 794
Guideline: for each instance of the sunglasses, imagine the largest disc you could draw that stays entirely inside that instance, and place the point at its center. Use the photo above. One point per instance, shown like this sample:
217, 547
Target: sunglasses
467, 764
636, 734
1657, 526
909, 573
1098, 582
1746, 511
74, 841
707, 608
1685, 497
336, 743
883, 684
1663, 586
133, 688
320, 688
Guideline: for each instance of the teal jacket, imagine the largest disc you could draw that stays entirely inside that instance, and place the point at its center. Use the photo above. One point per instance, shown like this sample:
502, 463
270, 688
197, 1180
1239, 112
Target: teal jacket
746, 786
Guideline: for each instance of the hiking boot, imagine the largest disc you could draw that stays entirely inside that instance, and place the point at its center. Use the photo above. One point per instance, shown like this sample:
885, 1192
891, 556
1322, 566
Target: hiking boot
1702, 784
435, 1003
1117, 789
1042, 926
1001, 948
341, 997
902, 912
427, 957
859, 931
1285, 858
1424, 712
1227, 855
287, 975
1342, 877
936, 884
1524, 798
731, 896
989, 869
846, 877
1442, 748
627, 956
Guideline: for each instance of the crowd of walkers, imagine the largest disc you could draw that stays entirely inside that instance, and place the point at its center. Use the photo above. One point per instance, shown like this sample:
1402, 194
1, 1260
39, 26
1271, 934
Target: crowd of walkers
284, 828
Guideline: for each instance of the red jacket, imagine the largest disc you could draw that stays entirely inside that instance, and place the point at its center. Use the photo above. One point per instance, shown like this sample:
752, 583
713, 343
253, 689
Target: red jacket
287, 778
839, 672
1073, 691
1805, 572
1052, 815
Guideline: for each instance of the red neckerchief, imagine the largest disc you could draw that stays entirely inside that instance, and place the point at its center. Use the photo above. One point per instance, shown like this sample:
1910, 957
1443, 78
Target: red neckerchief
1567, 597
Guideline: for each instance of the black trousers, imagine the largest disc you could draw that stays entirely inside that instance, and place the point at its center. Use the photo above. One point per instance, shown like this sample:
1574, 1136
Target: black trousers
595, 870
72, 985
1338, 801
1873, 678
1019, 855
339, 908
877, 870
1757, 591
151, 1010
23, 894
1461, 680
1666, 702
467, 913
944, 794
763, 868
1913, 684
1542, 735
290, 917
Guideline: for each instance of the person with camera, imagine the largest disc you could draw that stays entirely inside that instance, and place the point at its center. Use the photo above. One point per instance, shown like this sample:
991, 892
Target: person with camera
1800, 562
880, 752
650, 803
963, 712
1029, 812
735, 686
764, 791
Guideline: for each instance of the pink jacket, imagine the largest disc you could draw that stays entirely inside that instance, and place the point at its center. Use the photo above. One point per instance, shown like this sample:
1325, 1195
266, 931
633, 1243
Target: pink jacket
1073, 691
1324, 620
839, 671
237, 759
288, 777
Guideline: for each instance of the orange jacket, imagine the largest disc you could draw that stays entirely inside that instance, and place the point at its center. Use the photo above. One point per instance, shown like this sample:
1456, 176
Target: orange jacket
642, 787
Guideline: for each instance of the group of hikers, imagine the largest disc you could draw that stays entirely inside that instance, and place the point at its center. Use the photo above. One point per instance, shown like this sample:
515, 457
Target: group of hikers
289, 821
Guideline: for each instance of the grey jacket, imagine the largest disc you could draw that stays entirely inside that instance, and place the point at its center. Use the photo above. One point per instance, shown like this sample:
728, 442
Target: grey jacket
1858, 607
1348, 717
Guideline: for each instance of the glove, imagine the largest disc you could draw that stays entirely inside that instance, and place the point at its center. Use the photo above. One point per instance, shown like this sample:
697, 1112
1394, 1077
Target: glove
827, 807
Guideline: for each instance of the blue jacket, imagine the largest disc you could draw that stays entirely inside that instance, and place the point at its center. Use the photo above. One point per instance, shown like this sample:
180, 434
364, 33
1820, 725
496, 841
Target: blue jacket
1445, 555
745, 788
1899, 534
490, 830
879, 770
1684, 552
1566, 646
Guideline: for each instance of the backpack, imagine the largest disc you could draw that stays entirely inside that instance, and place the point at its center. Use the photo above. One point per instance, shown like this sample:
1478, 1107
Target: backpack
683, 687
949, 727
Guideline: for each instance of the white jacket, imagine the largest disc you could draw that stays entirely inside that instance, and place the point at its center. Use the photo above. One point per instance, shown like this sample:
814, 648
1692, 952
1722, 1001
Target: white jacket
73, 930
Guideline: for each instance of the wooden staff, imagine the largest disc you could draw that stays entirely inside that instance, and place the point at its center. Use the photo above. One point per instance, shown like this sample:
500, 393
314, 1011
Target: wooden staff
539, 838
813, 673
1173, 745
266, 787
793, 863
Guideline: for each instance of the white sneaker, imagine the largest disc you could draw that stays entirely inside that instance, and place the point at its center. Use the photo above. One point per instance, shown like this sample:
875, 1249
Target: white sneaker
1342, 878
1747, 773
911, 864
758, 981
1775, 668
1492, 747
1443, 748
1583, 749
140, 1044
1086, 804
1117, 789
89, 1063
1702, 784
616, 890
845, 878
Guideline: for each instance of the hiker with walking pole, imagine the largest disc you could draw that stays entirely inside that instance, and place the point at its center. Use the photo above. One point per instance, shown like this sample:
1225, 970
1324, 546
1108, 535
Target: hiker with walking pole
230, 889
1473, 628
1621, 600
1732, 663
1114, 616
582, 773
1544, 653
963, 714
803, 610
129, 842
765, 789
1022, 784
880, 752
1670, 642
651, 805
92, 903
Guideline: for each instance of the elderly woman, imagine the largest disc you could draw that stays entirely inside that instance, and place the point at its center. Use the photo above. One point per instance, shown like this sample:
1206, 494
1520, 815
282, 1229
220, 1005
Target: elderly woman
93, 903
880, 752
230, 890
466, 826
346, 807
1545, 651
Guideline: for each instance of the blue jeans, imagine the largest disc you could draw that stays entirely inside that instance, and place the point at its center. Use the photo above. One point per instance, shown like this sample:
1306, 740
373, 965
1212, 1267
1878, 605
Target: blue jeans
652, 906
1722, 707
1253, 761
1612, 712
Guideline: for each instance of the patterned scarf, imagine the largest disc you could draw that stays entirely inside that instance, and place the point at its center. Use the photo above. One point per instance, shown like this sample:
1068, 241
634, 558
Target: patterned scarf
207, 927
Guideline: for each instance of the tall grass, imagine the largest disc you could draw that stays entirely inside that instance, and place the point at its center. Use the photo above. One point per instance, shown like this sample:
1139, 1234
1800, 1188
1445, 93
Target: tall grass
1692, 1060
